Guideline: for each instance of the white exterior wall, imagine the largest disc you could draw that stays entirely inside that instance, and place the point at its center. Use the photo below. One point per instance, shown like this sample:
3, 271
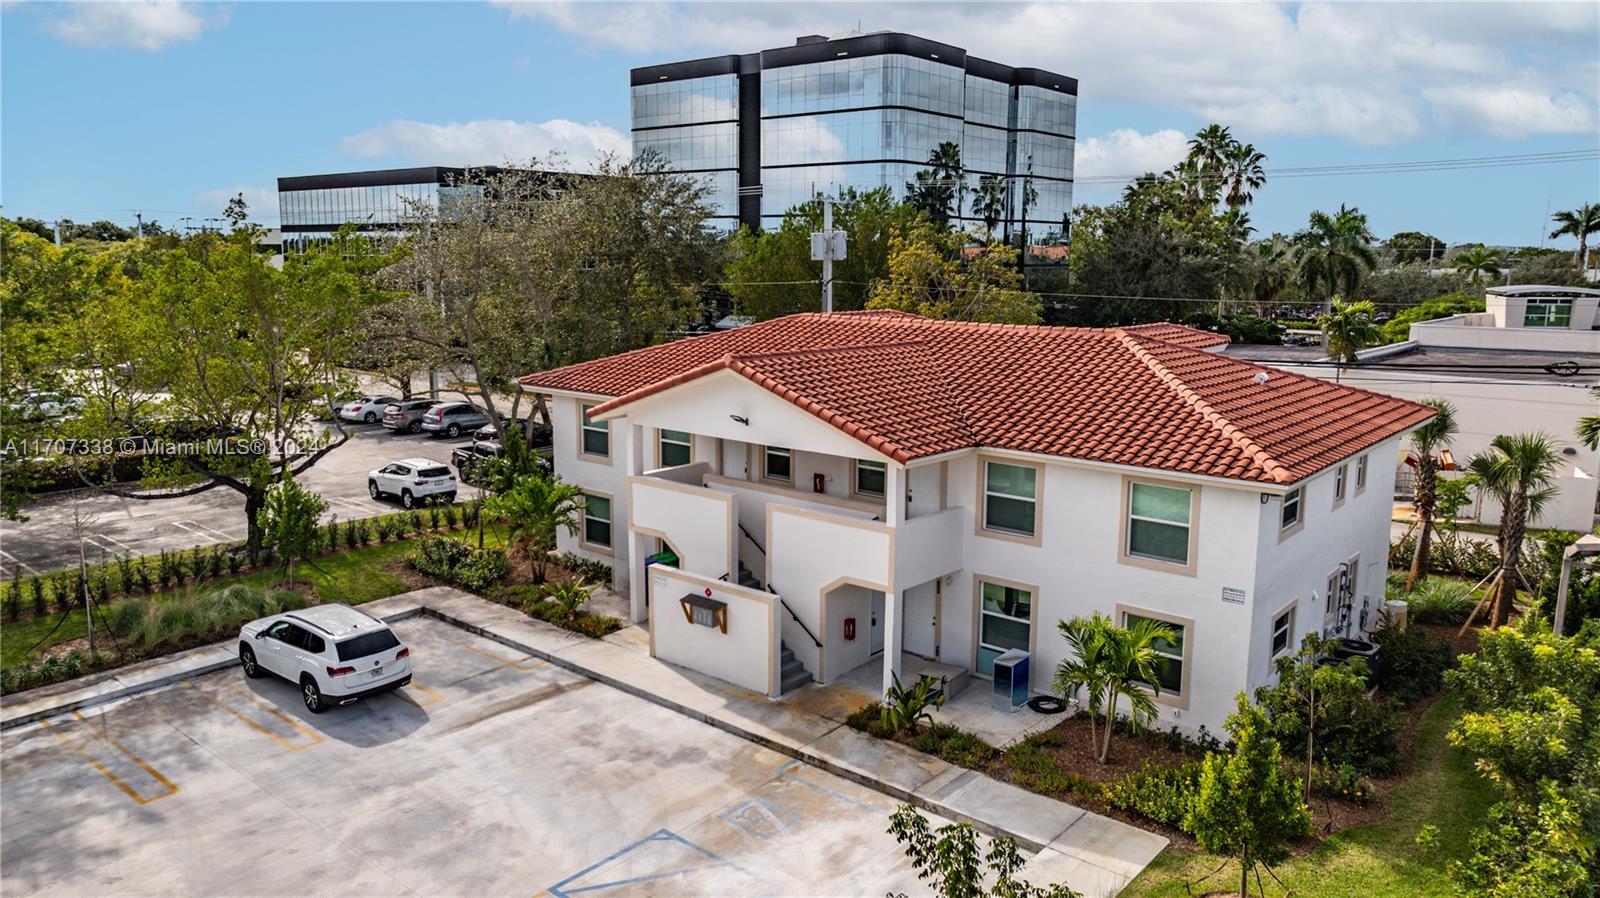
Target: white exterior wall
812, 553
746, 655
594, 475
1480, 330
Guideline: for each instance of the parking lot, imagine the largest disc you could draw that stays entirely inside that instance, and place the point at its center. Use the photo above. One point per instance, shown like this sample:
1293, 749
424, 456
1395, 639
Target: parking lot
114, 526
492, 774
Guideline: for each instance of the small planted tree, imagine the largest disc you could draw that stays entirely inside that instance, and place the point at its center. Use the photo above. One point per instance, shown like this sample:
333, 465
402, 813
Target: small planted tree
1111, 663
952, 862
904, 707
1428, 441
289, 522
533, 509
569, 596
1519, 471
1246, 805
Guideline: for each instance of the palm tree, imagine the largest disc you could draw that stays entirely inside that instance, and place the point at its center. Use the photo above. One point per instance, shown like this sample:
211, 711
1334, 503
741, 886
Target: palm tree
1210, 145
1334, 252
1273, 268
534, 507
1085, 669
1348, 329
1428, 441
989, 202
1589, 426
1112, 663
1580, 223
1518, 470
1477, 262
1241, 167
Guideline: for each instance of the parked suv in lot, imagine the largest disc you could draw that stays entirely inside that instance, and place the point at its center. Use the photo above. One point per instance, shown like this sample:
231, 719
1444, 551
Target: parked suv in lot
451, 418
407, 414
413, 480
467, 459
335, 654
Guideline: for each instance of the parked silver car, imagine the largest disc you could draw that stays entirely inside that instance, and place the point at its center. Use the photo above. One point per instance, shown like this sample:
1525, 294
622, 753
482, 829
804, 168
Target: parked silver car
452, 419
406, 415
366, 409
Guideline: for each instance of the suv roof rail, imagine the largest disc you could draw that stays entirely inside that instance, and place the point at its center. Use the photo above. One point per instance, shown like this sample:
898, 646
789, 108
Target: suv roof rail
308, 623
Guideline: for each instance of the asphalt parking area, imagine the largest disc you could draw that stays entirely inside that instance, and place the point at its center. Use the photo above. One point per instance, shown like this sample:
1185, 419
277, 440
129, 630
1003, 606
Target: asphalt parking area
492, 774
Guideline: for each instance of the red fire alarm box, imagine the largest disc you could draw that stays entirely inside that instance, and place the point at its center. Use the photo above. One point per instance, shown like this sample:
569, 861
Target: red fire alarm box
819, 482
850, 628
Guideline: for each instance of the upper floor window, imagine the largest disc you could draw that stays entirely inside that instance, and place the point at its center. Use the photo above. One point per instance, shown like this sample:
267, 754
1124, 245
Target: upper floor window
1290, 514
1361, 474
1339, 478
870, 478
777, 463
595, 435
1158, 522
676, 448
1010, 498
1547, 311
1282, 632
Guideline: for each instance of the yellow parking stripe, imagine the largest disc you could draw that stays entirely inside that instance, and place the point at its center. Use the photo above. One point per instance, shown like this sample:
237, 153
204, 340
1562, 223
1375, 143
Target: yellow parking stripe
433, 697
104, 771
517, 663
316, 738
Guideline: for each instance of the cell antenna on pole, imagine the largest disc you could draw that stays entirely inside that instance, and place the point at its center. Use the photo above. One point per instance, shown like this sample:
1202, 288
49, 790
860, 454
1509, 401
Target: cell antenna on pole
827, 246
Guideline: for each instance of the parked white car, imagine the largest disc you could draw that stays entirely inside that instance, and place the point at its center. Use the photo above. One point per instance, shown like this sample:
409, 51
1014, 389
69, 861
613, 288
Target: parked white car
366, 409
335, 654
413, 480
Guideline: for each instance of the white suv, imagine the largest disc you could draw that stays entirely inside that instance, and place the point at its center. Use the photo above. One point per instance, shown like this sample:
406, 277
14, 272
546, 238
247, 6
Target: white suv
336, 654
414, 480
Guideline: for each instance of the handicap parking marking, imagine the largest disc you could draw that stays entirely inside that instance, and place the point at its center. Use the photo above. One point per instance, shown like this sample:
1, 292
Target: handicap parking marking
788, 773
78, 747
256, 724
514, 663
663, 854
760, 817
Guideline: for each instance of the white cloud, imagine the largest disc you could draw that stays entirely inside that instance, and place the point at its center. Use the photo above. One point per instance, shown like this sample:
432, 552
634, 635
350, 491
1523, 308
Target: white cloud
1126, 152
148, 25
1373, 73
487, 141
263, 201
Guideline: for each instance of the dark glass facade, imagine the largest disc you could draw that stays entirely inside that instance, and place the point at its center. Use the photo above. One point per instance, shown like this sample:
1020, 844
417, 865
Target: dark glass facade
772, 129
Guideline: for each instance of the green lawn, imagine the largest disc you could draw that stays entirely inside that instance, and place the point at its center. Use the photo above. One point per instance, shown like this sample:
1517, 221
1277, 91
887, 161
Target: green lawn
1380, 860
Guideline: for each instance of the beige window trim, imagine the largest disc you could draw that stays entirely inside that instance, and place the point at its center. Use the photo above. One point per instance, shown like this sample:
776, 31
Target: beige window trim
583, 525
1125, 556
761, 465
983, 501
1181, 698
855, 480
582, 453
1362, 472
1289, 647
1341, 484
977, 615
1300, 522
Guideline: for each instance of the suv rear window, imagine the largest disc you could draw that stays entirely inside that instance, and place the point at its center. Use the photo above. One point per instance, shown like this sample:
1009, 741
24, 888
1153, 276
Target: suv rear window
366, 644
434, 472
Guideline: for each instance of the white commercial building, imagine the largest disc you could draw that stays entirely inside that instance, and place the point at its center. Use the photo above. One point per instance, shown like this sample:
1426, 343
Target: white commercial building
820, 492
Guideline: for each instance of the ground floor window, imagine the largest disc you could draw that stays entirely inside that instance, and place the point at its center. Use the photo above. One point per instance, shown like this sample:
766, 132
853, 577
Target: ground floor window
1169, 673
1005, 621
597, 520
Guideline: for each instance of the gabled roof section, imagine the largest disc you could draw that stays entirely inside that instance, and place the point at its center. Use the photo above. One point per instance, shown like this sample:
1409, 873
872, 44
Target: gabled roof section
911, 387
1181, 334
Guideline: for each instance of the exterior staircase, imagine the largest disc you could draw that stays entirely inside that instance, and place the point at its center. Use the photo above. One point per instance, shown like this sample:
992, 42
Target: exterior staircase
748, 579
793, 674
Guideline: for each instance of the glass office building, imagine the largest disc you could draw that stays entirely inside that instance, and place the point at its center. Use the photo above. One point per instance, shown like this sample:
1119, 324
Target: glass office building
772, 129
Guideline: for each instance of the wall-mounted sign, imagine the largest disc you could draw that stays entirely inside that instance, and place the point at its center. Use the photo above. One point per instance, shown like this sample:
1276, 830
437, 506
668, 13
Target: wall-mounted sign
1232, 596
704, 611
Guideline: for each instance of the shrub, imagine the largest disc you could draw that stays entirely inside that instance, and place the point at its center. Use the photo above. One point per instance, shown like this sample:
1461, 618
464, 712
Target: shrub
142, 570
180, 573
103, 589
13, 605
1343, 782
433, 516
350, 536
906, 706
966, 750
569, 595
1159, 793
199, 563
869, 719
414, 518
234, 561
450, 517
454, 561
1032, 767
593, 625
1438, 600
1349, 727
482, 568
215, 562
363, 531
592, 571
123, 617
36, 597
63, 593
333, 534
1413, 663
125, 573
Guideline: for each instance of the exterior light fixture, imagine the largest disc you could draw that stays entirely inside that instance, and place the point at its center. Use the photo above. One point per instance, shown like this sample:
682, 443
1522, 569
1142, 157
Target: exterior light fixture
741, 419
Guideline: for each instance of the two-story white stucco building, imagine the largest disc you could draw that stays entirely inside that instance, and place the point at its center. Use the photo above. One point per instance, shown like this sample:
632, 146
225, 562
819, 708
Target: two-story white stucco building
874, 488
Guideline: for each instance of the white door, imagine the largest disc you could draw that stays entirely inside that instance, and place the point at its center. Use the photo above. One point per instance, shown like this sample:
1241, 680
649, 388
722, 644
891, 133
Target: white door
875, 629
922, 621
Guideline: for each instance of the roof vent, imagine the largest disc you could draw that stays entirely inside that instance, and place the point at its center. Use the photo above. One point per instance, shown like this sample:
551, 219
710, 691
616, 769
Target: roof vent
1261, 377
804, 39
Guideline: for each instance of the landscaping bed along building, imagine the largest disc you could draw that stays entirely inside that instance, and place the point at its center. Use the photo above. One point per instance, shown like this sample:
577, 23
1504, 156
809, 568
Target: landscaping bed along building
154, 605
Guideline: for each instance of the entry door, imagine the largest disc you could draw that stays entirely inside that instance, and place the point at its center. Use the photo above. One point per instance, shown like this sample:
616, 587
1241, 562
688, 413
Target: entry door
922, 621
875, 634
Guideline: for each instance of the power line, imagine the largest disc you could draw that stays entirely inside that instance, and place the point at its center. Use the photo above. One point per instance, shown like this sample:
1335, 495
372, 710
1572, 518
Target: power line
1208, 300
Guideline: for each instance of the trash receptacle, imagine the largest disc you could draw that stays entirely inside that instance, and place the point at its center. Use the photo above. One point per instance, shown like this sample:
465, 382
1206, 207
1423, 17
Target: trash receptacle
1011, 680
665, 556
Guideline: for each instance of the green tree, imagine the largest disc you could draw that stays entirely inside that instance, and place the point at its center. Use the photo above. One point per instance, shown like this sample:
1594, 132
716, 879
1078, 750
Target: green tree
1477, 263
1245, 805
1243, 173
1334, 252
1312, 697
938, 190
928, 277
950, 861
1518, 471
1111, 663
1410, 247
533, 509
1427, 442
1347, 329
1580, 223
989, 204
288, 520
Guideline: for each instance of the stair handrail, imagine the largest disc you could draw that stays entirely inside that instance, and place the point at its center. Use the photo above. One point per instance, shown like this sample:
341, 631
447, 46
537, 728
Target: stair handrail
814, 640
752, 540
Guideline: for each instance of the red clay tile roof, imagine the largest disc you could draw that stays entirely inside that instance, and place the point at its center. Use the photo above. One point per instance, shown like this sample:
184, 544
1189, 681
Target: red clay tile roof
1181, 334
912, 387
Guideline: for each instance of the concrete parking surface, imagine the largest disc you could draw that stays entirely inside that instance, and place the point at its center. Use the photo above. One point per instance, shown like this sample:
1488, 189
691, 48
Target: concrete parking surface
493, 774
114, 525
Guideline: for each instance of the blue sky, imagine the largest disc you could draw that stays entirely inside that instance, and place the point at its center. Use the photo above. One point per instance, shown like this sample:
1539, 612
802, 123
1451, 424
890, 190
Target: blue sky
171, 107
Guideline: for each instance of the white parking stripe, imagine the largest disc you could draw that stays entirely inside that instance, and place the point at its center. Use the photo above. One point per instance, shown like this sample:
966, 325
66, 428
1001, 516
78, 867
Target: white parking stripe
115, 543
200, 529
22, 566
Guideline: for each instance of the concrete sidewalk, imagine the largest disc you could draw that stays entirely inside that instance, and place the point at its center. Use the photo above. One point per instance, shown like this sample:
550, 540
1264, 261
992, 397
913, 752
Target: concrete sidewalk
1091, 853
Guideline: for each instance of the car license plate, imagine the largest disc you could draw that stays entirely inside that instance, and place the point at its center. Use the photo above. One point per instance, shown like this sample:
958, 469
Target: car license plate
377, 671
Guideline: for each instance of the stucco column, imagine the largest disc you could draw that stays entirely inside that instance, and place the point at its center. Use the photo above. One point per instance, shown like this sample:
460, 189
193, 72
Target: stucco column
632, 466
894, 492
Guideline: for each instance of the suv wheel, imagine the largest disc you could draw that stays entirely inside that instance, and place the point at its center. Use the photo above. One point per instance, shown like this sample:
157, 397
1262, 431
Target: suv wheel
414, 427
311, 694
247, 660
453, 431
372, 489
407, 500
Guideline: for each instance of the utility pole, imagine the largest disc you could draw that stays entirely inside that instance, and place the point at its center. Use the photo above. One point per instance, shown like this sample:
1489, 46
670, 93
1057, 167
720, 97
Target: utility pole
139, 218
58, 232
827, 246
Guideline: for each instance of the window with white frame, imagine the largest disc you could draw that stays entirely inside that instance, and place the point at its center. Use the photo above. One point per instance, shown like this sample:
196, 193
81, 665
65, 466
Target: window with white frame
777, 463
1005, 621
1010, 498
597, 520
1282, 632
674, 448
1158, 522
871, 477
1547, 311
1361, 473
595, 435
1289, 515
1169, 670
1339, 479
